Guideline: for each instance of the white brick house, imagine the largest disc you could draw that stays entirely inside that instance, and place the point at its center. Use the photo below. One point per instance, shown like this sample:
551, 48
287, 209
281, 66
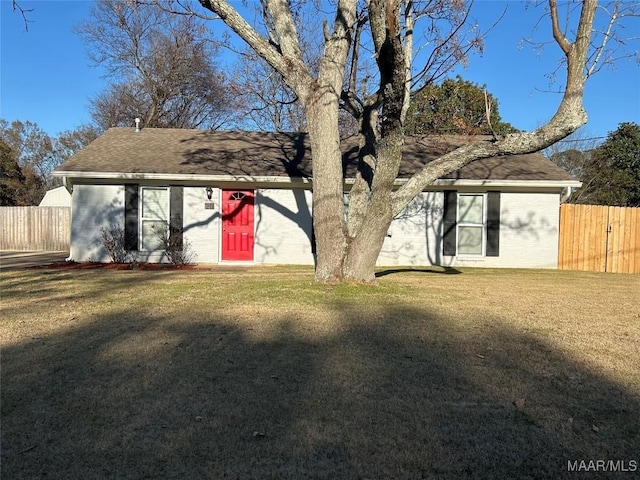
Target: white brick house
246, 197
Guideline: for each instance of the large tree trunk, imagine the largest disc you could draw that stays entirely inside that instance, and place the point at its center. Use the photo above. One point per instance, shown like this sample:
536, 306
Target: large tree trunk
382, 151
363, 250
328, 208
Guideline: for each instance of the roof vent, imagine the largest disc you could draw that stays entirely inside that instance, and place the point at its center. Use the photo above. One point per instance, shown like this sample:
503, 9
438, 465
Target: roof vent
137, 120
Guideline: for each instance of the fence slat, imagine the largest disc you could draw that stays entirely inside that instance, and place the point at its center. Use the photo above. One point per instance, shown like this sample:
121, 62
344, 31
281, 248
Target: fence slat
35, 228
634, 241
613, 248
599, 238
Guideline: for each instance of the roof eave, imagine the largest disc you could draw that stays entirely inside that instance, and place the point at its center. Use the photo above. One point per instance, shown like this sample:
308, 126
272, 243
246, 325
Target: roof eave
185, 177
170, 177
507, 183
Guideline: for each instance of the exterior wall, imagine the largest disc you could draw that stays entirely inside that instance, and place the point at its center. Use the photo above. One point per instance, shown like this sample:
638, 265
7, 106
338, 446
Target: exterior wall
415, 238
529, 228
528, 234
94, 207
201, 225
99, 206
283, 227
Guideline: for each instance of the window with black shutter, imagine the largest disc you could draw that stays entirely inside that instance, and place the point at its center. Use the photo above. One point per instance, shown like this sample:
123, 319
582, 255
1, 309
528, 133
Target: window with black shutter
471, 224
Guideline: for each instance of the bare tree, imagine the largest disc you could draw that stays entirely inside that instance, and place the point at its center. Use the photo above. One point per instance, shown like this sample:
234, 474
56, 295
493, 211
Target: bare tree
72, 141
31, 145
30, 155
573, 152
264, 96
162, 67
33, 152
388, 32
268, 102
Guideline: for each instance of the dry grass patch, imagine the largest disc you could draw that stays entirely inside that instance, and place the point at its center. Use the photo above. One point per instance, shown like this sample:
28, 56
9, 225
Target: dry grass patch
262, 374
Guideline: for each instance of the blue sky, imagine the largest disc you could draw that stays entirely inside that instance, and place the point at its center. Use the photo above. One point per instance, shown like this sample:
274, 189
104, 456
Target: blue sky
45, 76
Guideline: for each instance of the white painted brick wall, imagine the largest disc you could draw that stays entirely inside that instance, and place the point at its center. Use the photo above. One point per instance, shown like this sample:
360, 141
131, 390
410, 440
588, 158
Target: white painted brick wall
529, 224
528, 233
283, 226
94, 207
414, 238
201, 225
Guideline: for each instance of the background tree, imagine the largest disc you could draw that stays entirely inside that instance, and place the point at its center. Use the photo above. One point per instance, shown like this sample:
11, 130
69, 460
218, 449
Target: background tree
11, 178
455, 107
268, 103
386, 31
18, 187
162, 67
29, 159
611, 172
32, 146
29, 155
572, 152
572, 161
72, 141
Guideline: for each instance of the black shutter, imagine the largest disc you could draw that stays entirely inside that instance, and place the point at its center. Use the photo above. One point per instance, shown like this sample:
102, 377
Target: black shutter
449, 222
175, 216
493, 224
131, 217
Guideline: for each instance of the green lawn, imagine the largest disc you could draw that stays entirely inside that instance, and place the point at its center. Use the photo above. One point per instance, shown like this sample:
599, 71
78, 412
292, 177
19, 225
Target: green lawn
259, 373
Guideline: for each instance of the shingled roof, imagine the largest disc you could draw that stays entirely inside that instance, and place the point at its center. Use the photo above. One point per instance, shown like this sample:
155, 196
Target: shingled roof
239, 154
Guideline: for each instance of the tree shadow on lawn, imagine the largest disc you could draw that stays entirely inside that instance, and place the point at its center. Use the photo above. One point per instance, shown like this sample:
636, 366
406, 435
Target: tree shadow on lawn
45, 283
397, 395
405, 270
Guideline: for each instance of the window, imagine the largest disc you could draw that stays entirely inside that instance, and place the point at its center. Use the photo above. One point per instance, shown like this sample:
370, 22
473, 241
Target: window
154, 217
237, 196
148, 211
471, 224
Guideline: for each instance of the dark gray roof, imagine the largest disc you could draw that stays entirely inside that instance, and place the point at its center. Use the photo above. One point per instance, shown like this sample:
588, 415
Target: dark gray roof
259, 154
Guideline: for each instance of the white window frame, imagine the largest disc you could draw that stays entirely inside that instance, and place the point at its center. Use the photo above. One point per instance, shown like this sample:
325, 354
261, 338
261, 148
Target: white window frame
482, 226
148, 219
346, 203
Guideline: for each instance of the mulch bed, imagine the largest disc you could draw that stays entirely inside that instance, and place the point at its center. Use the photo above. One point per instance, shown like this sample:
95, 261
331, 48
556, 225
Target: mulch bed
114, 266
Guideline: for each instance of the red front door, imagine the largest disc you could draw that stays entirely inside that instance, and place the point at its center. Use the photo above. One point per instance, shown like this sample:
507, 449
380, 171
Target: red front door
237, 225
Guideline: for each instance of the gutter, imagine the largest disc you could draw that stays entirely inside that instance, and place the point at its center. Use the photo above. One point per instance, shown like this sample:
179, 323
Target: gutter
300, 181
66, 183
183, 177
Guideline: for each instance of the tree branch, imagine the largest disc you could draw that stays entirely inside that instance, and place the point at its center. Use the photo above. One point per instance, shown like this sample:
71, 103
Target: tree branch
285, 28
292, 69
569, 116
23, 12
557, 32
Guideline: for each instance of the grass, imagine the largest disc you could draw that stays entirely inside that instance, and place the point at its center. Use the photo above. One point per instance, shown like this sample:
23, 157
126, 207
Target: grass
262, 374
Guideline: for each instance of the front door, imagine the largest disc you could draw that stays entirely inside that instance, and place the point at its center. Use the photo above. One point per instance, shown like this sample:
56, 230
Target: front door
237, 225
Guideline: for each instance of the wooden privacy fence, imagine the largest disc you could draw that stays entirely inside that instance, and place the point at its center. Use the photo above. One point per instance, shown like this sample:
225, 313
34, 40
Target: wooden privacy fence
35, 228
599, 238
